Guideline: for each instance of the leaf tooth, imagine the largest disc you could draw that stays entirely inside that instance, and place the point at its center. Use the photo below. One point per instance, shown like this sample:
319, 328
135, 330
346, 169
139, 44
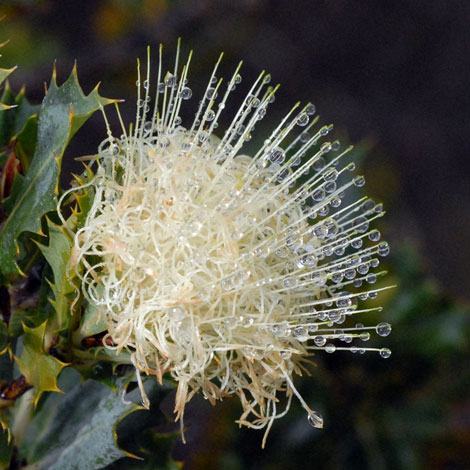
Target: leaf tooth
54, 73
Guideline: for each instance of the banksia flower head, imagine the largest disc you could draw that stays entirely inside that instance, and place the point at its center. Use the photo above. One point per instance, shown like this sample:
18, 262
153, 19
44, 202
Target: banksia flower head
228, 270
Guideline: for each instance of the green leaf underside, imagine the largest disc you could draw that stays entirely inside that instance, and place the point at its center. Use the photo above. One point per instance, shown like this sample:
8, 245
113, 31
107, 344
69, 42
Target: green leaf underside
57, 254
63, 111
76, 431
40, 368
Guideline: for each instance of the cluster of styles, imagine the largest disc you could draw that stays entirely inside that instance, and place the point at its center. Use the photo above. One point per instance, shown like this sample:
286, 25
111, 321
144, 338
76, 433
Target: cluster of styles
225, 270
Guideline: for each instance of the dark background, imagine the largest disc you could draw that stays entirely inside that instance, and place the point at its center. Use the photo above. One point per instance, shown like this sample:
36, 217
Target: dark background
393, 76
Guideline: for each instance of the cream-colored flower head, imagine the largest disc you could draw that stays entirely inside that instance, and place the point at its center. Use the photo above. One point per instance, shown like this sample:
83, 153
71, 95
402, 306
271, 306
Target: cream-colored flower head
226, 270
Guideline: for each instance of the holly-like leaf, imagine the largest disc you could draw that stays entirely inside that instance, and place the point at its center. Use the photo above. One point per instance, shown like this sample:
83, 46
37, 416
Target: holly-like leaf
40, 368
63, 111
57, 254
148, 435
84, 197
76, 430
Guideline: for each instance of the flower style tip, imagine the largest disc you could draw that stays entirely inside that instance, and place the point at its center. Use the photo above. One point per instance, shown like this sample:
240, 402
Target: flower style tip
228, 270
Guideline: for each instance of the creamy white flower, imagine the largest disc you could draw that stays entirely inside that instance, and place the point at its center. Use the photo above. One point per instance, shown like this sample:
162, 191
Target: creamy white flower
223, 269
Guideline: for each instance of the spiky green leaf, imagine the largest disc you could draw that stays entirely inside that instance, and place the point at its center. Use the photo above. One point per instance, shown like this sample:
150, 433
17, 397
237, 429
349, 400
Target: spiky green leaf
40, 368
63, 111
151, 435
76, 430
57, 254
